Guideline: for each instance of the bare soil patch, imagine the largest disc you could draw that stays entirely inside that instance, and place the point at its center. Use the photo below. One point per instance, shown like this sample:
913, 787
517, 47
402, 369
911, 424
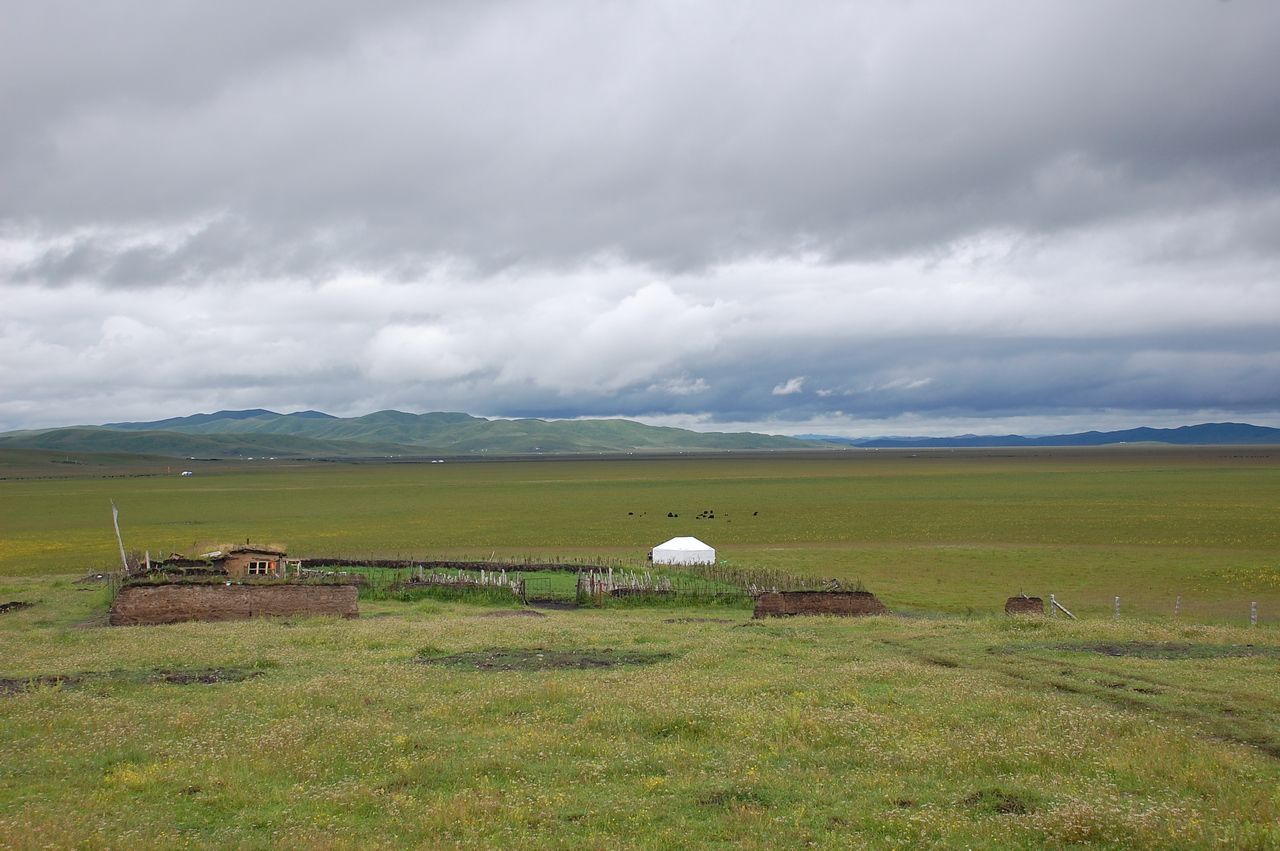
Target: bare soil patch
542, 659
14, 685
554, 604
699, 620
1000, 801
207, 676
1170, 650
513, 613
178, 676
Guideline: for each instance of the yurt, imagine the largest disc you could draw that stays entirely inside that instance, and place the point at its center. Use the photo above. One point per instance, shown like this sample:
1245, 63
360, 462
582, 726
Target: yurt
684, 551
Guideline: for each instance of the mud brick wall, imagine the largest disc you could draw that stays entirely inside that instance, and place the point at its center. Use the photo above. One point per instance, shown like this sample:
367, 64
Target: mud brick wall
153, 604
1024, 606
403, 564
841, 603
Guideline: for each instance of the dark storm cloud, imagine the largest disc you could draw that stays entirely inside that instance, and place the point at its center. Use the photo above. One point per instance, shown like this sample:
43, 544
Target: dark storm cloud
739, 213
668, 136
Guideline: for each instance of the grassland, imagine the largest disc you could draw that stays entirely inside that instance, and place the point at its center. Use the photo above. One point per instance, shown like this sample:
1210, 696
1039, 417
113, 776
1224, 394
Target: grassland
938, 531
878, 733
954, 726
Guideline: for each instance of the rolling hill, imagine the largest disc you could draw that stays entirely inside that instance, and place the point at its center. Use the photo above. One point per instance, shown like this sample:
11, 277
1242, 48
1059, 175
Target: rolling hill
1205, 434
313, 434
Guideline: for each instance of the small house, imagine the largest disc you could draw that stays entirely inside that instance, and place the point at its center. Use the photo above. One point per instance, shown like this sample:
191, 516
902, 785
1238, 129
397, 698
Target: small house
683, 551
250, 562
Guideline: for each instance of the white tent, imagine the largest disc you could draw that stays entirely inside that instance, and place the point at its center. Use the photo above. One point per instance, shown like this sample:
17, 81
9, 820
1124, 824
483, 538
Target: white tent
684, 551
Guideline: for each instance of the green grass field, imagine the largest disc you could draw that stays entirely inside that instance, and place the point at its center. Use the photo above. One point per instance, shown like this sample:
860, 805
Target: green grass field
942, 531
430, 723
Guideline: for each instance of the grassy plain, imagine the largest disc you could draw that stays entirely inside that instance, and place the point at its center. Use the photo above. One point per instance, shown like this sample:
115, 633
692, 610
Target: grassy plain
954, 726
884, 732
943, 531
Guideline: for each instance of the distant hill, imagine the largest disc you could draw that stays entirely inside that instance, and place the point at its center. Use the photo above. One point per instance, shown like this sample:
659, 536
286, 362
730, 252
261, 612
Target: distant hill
96, 439
313, 434
1206, 434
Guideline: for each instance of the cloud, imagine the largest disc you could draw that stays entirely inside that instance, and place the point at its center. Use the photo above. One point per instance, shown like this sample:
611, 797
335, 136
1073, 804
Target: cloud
420, 353
790, 387
660, 210
680, 386
393, 136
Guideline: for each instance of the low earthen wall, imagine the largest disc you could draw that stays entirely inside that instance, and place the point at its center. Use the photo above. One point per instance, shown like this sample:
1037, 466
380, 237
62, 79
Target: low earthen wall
1020, 605
841, 603
155, 604
406, 564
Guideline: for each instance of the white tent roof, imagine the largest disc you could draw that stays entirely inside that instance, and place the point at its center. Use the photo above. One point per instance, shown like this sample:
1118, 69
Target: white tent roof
683, 551
684, 545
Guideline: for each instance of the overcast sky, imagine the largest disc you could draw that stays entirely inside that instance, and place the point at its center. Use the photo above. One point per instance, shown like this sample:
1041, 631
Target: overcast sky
854, 218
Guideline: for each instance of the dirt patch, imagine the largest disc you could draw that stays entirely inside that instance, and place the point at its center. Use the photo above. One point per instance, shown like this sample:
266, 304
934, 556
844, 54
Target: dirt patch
730, 798
512, 613
14, 685
554, 605
207, 676
1170, 650
542, 659
699, 620
177, 676
999, 801
14, 606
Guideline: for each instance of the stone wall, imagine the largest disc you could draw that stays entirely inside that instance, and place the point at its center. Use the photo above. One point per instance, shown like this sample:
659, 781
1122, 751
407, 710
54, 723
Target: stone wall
840, 603
1021, 605
154, 604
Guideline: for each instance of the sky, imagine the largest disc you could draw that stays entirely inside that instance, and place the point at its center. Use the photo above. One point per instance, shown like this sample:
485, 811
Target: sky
853, 218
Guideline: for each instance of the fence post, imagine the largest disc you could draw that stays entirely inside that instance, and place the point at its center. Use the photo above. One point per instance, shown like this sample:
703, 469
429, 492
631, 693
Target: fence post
1117, 612
1053, 605
1177, 606
1253, 613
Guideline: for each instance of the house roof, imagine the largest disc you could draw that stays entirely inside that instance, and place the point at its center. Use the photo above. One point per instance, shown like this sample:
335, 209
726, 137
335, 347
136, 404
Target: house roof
266, 551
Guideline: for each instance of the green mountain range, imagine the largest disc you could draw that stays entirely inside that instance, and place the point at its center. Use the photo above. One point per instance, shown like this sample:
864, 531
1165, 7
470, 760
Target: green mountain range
312, 434
1204, 434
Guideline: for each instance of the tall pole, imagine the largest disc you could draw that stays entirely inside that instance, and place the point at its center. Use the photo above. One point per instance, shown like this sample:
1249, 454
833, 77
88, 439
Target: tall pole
115, 521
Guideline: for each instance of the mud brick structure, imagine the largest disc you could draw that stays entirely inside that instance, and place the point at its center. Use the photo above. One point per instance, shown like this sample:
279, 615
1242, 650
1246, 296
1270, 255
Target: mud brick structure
240, 562
839, 603
1021, 605
173, 603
